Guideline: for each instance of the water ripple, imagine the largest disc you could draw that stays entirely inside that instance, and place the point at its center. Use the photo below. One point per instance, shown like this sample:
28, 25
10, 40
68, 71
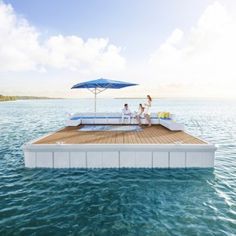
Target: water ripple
116, 202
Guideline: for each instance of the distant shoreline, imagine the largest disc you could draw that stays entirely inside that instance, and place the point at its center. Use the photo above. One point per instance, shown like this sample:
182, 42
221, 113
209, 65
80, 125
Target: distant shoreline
15, 98
136, 98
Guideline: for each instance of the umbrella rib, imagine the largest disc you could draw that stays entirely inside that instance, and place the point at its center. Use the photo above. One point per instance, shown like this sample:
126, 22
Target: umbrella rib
101, 90
91, 90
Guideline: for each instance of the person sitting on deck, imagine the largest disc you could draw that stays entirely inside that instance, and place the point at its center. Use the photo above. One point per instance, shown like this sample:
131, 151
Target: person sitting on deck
126, 114
140, 114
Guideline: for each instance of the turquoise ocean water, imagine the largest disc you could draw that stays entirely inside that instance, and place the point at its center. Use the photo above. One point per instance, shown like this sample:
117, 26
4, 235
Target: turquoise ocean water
116, 202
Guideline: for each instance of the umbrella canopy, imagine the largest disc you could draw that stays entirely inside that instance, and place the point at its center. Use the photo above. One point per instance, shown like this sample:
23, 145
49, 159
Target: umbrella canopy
99, 85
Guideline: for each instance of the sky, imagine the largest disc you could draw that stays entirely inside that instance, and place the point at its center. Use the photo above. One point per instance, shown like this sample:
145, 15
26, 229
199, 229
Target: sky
170, 48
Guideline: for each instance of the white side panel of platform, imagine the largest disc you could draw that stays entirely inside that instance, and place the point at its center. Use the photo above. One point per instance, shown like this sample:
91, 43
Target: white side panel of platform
127, 159
160, 160
78, 160
61, 160
44, 159
119, 156
208, 159
177, 160
110, 159
94, 159
143, 159
30, 159
131, 159
103, 159
199, 159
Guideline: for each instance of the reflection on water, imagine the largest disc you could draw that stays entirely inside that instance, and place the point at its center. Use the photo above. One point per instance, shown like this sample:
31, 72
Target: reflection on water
116, 202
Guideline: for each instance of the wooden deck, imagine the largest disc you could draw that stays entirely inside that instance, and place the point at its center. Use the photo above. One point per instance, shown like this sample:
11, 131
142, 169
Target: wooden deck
155, 134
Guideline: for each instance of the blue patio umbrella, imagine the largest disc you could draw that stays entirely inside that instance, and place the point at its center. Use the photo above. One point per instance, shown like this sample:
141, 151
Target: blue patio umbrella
100, 85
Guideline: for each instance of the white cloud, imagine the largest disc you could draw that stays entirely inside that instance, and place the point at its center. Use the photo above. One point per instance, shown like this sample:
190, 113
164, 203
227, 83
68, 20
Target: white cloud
21, 49
205, 56
94, 55
198, 62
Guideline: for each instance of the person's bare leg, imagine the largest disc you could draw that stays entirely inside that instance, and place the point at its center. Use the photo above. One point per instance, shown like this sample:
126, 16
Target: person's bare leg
122, 119
138, 120
148, 118
129, 119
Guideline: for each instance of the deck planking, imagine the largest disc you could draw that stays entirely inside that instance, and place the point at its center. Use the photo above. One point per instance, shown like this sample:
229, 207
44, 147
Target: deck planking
156, 134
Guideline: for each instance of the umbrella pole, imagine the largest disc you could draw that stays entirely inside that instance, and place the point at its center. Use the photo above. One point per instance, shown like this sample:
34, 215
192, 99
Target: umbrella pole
95, 100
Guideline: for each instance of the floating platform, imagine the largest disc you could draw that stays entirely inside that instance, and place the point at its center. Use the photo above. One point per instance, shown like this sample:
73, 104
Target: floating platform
145, 147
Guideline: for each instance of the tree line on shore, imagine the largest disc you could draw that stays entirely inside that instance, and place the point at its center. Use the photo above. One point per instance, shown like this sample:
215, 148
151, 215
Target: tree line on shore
7, 98
13, 98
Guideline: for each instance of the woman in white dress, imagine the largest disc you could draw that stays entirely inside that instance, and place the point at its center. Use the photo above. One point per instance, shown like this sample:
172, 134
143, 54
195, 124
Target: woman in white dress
147, 113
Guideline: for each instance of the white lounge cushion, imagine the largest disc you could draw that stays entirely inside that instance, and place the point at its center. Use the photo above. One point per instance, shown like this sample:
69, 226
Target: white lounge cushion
172, 125
73, 122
